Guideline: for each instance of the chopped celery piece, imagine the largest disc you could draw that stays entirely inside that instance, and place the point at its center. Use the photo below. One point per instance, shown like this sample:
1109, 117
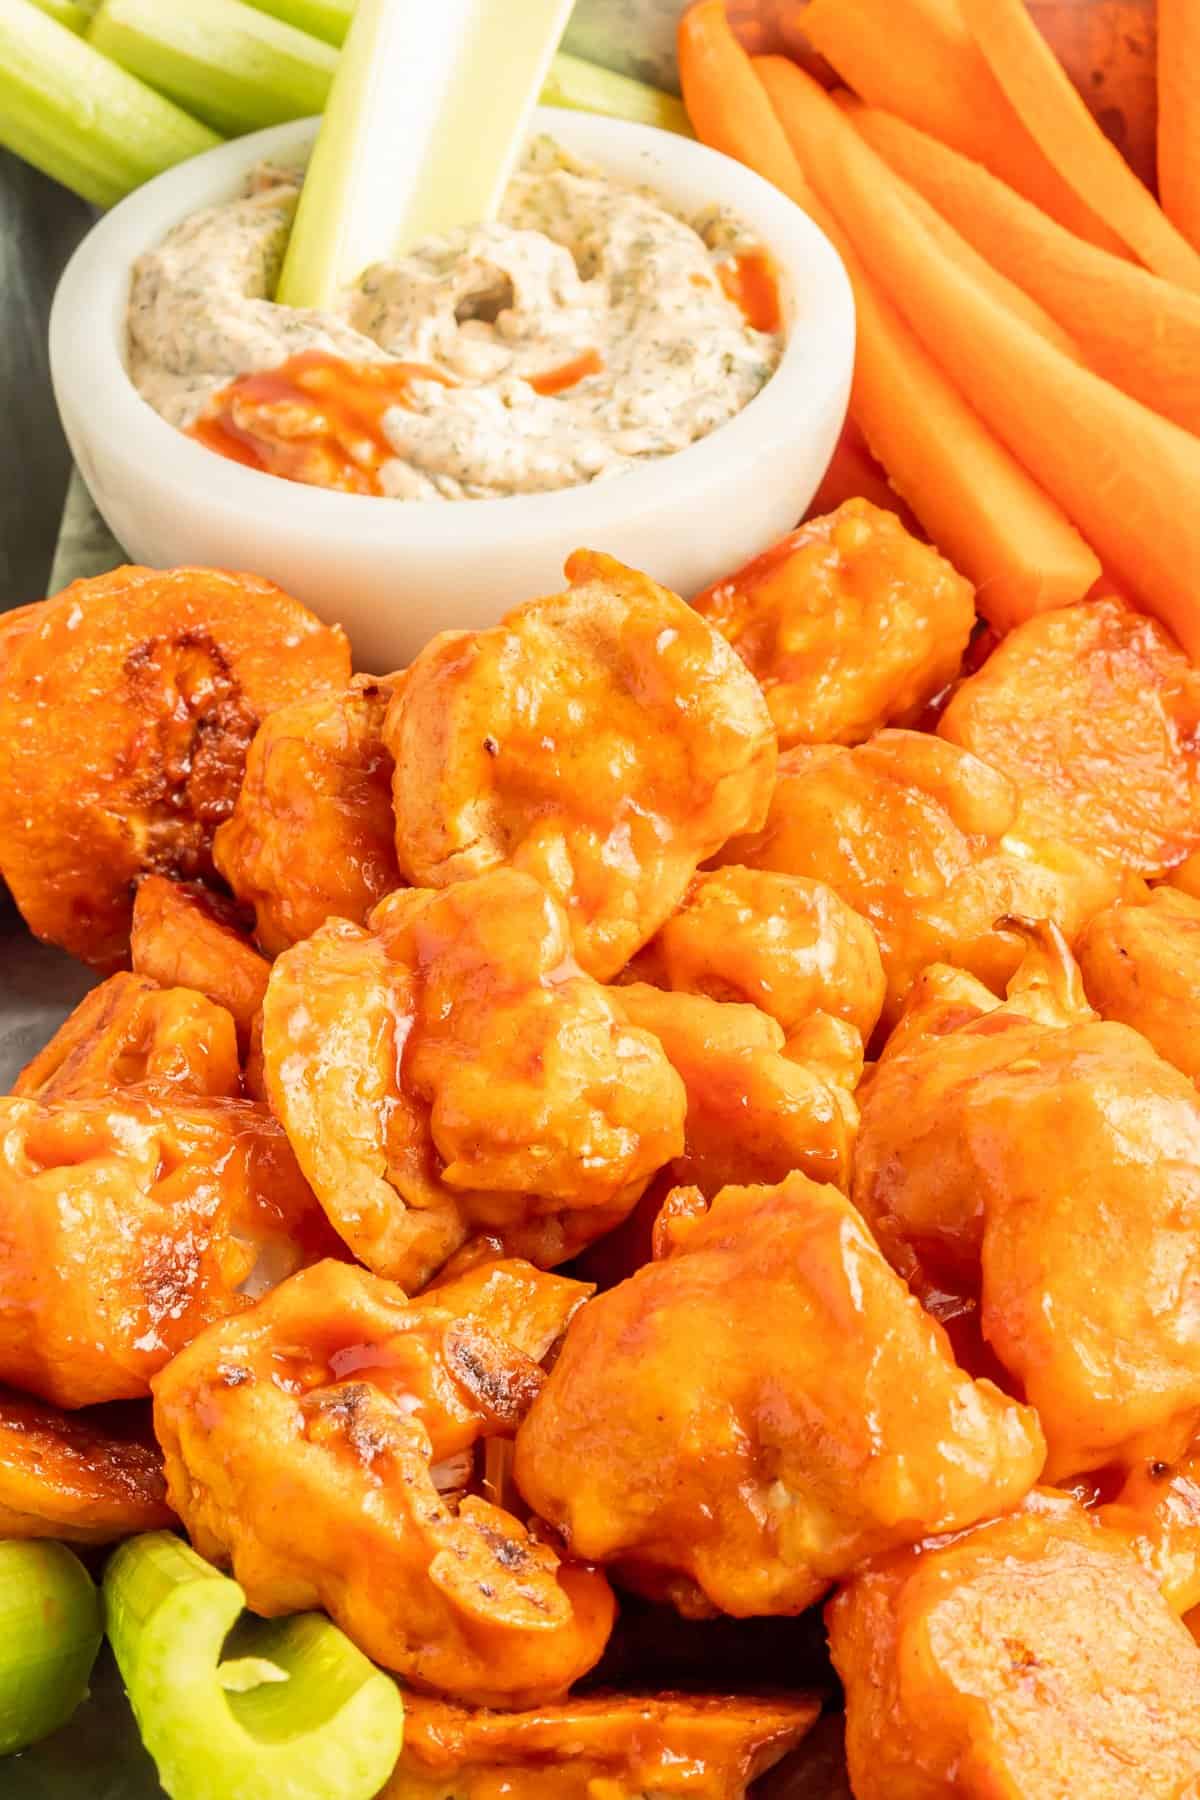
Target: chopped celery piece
50, 1631
67, 12
328, 19
296, 1713
75, 115
233, 67
586, 87
424, 123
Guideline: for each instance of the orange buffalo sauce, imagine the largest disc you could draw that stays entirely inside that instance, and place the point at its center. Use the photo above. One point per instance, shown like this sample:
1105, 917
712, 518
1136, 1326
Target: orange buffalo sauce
600, 1747
316, 419
556, 381
752, 283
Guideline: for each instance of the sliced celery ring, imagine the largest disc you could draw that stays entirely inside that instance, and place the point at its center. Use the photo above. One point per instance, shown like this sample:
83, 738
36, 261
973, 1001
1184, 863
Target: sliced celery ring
297, 1712
50, 1631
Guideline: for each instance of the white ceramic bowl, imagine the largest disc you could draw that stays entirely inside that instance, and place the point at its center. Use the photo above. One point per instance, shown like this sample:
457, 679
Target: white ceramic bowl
394, 572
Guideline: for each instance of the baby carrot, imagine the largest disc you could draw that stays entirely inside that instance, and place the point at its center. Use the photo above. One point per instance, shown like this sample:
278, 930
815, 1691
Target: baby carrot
1179, 115
971, 496
1050, 107
916, 58
1140, 332
1125, 476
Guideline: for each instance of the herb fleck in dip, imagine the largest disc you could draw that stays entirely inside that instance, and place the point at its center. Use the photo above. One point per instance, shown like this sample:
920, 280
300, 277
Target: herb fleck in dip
587, 329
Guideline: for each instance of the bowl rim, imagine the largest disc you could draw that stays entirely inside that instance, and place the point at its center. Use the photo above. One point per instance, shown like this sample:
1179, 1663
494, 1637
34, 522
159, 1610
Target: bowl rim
87, 359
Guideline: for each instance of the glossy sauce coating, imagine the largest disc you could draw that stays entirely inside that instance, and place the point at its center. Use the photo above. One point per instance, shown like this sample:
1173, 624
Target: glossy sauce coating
1157, 1511
85, 1477
125, 718
605, 741
129, 1033
1141, 965
781, 942
454, 1070
185, 936
705, 1746
1031, 1657
1046, 1171
16, 624
695, 1430
758, 1105
917, 835
850, 624
128, 1224
1094, 713
302, 1443
311, 834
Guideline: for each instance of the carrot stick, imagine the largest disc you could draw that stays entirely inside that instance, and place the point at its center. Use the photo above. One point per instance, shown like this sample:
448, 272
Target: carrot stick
916, 58
1127, 477
1055, 116
727, 106
1001, 286
1179, 115
1138, 331
972, 497
854, 473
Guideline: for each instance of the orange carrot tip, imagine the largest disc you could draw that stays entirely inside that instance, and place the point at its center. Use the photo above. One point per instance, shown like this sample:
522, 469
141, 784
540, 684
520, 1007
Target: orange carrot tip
1054, 114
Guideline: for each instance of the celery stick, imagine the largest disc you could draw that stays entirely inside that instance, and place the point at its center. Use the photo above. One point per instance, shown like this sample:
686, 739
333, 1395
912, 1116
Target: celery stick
424, 123
72, 113
233, 67
67, 12
328, 19
295, 1713
585, 87
50, 1631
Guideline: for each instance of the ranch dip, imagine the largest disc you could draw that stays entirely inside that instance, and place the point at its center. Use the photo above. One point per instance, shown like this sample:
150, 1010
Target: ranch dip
588, 329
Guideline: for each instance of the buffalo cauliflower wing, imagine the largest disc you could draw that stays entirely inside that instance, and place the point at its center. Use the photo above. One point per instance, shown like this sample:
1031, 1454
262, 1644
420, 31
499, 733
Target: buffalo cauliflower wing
1141, 965
307, 1444
1093, 711
1030, 1657
758, 1105
762, 1406
185, 936
130, 1033
850, 624
1039, 1170
128, 1223
125, 716
780, 942
611, 1745
311, 835
604, 740
917, 836
454, 1071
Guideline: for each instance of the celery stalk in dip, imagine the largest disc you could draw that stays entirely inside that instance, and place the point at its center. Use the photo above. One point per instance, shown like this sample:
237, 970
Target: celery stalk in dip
587, 329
